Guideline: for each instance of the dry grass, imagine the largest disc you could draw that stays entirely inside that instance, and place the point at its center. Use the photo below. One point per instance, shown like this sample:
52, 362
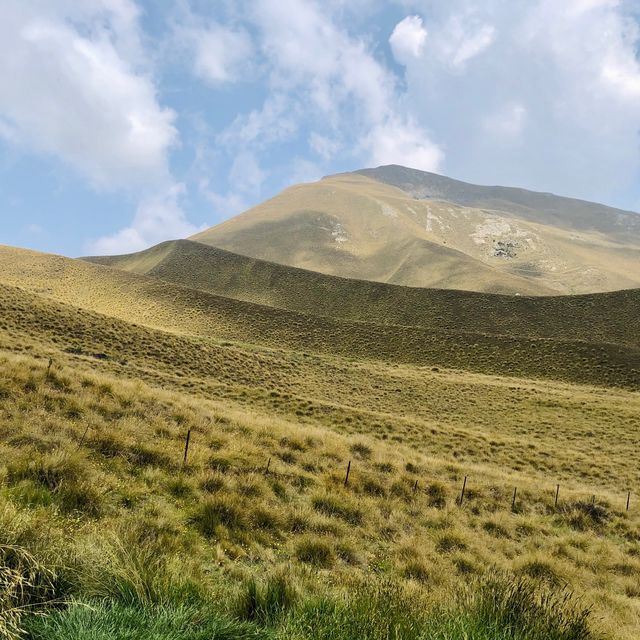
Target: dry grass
92, 485
128, 466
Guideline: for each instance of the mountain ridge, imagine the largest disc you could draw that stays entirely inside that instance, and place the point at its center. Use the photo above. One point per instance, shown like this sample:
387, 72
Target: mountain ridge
388, 225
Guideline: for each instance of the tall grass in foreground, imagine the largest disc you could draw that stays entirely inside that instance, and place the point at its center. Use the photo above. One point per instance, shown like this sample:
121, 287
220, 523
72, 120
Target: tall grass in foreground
498, 607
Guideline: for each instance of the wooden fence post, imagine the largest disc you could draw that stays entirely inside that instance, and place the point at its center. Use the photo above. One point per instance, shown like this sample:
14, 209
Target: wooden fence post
186, 449
346, 480
464, 486
557, 494
513, 501
628, 499
84, 435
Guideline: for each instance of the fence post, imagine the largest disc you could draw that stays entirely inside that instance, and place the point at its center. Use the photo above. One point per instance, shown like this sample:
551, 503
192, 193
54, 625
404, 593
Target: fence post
464, 486
268, 465
628, 499
186, 449
557, 494
513, 501
346, 479
84, 435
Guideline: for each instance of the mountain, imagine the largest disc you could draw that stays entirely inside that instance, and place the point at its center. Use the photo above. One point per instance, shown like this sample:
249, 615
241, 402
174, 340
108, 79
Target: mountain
414, 228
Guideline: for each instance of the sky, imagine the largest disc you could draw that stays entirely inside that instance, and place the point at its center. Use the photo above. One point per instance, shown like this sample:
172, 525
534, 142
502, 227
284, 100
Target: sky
124, 123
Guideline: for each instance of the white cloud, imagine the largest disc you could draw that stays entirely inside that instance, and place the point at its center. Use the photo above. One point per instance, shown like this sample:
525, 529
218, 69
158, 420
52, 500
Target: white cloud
326, 147
77, 85
277, 120
507, 121
67, 90
408, 39
404, 143
159, 217
470, 44
220, 53
543, 94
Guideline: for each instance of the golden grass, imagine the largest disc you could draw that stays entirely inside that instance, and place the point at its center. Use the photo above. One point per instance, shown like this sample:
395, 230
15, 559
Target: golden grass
120, 445
91, 449
602, 318
138, 300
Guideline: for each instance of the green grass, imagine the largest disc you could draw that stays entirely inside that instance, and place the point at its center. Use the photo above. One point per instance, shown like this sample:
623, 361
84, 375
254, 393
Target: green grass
104, 621
496, 608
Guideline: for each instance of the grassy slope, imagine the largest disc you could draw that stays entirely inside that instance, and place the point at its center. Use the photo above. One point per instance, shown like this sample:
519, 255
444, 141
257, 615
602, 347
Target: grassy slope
93, 451
607, 317
143, 300
353, 226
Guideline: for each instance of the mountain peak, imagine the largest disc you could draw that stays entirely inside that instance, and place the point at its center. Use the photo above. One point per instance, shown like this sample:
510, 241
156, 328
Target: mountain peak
404, 226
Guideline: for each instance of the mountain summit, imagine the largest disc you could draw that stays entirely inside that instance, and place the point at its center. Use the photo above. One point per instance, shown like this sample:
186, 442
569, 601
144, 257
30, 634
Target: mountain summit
403, 226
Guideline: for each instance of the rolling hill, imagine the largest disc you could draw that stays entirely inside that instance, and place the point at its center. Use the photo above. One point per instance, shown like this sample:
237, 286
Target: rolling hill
408, 227
104, 372
605, 317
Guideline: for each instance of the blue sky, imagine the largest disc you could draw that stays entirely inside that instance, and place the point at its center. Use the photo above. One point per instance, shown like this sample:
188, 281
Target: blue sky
127, 122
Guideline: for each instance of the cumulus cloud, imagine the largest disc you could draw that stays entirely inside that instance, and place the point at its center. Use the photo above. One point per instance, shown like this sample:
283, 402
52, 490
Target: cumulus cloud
542, 94
408, 39
67, 90
159, 217
405, 143
76, 85
220, 54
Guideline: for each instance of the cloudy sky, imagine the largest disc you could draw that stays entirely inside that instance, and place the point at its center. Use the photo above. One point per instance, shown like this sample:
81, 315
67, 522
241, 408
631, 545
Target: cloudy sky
127, 122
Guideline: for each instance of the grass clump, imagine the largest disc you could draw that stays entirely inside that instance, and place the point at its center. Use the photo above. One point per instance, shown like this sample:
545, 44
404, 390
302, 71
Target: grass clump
501, 606
216, 512
25, 585
337, 507
315, 551
267, 601
113, 621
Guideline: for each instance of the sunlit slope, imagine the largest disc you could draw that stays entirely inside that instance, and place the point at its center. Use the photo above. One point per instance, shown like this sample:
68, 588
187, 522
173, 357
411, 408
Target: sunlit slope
142, 300
605, 317
92, 449
359, 226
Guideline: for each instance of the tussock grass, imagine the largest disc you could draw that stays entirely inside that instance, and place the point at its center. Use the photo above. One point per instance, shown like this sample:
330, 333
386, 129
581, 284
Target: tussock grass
103, 621
92, 485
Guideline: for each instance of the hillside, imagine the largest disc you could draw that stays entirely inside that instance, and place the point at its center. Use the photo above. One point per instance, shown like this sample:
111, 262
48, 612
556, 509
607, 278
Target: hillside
607, 317
413, 228
143, 300
98, 511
